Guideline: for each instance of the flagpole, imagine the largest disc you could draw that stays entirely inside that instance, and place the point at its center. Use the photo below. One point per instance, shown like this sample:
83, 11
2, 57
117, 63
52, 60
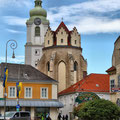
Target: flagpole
13, 46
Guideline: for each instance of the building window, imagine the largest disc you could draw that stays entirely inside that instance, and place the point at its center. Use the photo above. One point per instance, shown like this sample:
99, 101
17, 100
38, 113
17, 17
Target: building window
12, 92
119, 81
28, 92
75, 41
48, 66
37, 52
61, 40
48, 42
44, 93
37, 31
112, 84
75, 66
61, 32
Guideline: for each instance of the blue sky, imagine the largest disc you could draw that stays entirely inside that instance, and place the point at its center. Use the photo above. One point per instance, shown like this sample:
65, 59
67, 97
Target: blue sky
98, 22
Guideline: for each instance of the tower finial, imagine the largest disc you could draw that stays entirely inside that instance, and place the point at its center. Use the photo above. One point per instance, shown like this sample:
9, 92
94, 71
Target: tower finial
38, 3
62, 18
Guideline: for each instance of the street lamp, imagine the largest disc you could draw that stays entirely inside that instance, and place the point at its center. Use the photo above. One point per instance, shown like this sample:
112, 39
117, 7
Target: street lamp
13, 46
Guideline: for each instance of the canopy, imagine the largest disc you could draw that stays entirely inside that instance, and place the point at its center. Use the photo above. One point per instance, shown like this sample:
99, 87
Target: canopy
33, 103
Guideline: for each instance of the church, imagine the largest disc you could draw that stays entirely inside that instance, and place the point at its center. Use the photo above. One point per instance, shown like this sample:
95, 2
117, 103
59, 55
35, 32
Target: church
58, 53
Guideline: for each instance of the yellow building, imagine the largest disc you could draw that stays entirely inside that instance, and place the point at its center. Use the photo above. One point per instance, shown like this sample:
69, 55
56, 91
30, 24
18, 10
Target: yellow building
38, 93
114, 73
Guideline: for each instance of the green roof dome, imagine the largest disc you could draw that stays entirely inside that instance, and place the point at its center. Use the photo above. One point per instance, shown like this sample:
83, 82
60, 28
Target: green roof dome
38, 10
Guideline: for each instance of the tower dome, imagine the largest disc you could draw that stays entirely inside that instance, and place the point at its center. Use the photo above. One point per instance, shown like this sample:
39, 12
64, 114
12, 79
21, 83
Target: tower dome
38, 10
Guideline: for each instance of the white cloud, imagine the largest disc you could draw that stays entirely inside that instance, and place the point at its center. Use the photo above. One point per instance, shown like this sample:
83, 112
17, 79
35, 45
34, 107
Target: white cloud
16, 3
14, 31
80, 15
17, 59
85, 16
14, 20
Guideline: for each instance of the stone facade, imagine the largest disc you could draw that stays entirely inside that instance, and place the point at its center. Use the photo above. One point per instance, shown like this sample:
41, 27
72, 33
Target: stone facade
114, 72
62, 56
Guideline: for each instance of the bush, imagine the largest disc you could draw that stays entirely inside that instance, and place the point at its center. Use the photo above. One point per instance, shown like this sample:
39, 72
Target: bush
98, 110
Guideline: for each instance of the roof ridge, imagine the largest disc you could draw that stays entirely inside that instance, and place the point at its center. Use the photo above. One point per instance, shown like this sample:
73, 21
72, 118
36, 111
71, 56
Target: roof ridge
65, 27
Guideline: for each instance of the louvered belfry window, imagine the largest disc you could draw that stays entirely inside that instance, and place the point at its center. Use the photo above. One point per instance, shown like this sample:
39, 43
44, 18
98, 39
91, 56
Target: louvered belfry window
37, 31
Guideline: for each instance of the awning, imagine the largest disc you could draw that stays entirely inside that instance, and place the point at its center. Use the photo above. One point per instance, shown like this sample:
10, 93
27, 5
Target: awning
33, 103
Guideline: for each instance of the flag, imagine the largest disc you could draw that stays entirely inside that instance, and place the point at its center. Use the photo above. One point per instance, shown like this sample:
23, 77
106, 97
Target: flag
19, 88
5, 77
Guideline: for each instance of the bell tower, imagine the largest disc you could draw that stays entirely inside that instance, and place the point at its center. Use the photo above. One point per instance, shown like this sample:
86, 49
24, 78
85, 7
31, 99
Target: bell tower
37, 26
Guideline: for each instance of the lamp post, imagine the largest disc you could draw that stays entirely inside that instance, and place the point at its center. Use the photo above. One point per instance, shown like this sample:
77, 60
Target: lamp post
13, 46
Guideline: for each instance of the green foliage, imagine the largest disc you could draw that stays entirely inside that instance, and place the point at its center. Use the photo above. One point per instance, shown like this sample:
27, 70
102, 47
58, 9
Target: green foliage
86, 96
98, 110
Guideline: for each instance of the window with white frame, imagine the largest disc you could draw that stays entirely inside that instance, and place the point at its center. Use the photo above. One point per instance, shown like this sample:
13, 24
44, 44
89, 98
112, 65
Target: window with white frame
12, 92
28, 92
112, 84
44, 93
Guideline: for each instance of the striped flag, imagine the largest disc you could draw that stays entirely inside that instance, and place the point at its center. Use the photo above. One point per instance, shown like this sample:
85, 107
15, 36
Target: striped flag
5, 77
19, 88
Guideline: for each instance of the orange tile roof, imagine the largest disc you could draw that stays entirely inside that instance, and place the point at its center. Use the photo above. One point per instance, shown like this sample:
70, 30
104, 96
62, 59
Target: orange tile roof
91, 83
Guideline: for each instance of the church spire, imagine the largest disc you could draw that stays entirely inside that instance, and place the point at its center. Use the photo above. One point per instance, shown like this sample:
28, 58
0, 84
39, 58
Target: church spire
38, 3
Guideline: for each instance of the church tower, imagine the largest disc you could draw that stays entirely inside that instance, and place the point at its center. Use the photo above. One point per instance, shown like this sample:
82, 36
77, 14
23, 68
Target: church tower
37, 26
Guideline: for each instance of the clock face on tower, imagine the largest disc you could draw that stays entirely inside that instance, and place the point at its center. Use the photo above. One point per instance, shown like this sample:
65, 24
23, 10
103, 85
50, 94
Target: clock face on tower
37, 21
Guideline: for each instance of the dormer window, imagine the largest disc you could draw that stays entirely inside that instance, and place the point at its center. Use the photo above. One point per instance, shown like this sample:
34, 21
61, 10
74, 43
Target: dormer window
61, 40
37, 31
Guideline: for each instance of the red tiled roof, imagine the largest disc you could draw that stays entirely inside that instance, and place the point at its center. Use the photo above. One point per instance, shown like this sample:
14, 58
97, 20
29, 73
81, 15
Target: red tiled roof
62, 24
111, 69
91, 83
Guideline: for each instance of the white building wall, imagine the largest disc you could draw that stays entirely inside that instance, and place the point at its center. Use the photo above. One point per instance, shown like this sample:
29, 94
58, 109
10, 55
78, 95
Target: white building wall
53, 113
2, 111
32, 113
68, 102
1, 90
33, 43
54, 92
105, 96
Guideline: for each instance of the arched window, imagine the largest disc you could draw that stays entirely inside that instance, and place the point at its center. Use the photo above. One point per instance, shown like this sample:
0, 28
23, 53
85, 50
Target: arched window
61, 76
48, 66
37, 31
75, 71
75, 66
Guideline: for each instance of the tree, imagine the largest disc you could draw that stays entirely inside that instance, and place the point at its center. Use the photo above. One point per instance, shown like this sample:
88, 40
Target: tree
98, 110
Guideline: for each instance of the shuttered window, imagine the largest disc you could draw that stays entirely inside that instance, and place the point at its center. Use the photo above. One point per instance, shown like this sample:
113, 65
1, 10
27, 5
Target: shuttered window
37, 31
